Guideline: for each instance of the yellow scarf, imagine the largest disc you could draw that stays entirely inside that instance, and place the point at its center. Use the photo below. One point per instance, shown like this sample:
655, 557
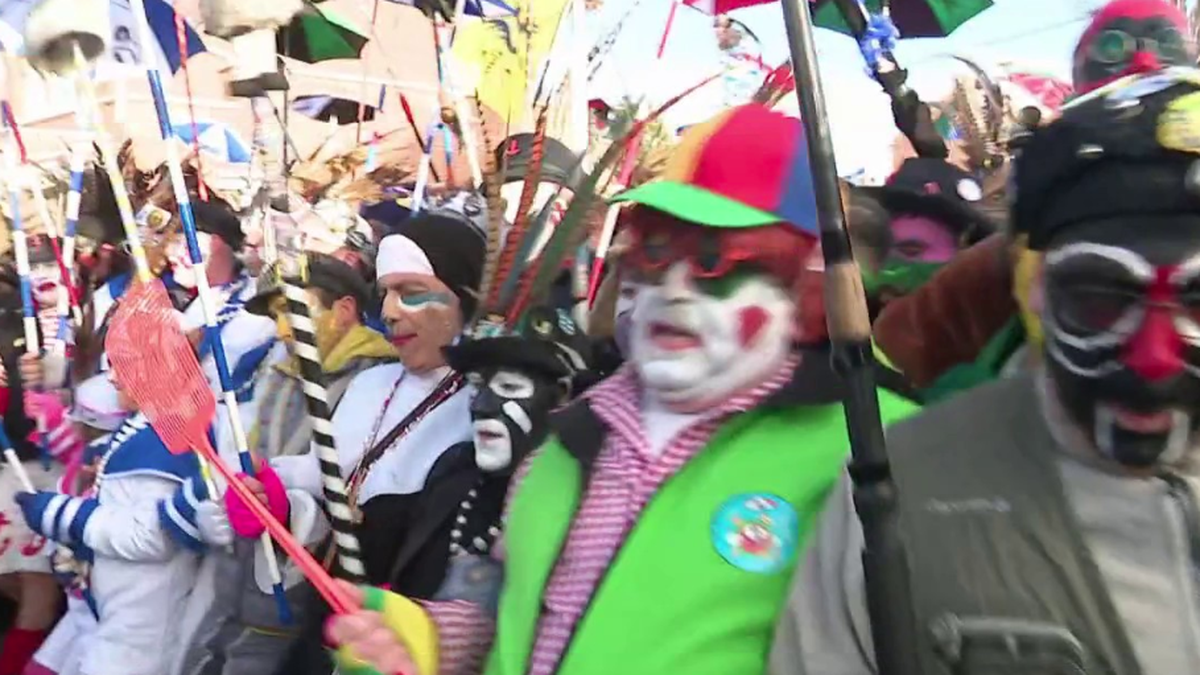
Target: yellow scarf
359, 342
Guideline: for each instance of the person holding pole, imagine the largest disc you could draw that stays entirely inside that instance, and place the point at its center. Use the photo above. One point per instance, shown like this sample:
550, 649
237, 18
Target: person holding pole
1050, 519
655, 530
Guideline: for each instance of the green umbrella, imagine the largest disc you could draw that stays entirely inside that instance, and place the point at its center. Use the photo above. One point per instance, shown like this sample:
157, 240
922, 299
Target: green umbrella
913, 18
320, 34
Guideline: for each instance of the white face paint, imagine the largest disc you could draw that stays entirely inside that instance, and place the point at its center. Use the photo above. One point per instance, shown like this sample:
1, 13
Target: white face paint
693, 350
494, 435
184, 273
623, 319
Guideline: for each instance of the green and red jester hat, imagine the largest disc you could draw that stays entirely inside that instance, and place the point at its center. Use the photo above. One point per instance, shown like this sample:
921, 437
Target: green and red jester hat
1127, 37
736, 197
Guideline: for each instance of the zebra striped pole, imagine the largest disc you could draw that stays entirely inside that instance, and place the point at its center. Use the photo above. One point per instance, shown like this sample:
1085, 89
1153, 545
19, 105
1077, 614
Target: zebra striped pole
316, 399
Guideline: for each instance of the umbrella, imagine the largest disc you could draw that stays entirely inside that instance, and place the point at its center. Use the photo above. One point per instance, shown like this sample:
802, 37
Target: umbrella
320, 34
485, 9
913, 18
215, 139
124, 44
325, 108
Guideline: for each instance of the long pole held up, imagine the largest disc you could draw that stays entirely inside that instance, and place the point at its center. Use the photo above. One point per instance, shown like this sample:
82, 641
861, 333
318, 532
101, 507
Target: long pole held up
884, 563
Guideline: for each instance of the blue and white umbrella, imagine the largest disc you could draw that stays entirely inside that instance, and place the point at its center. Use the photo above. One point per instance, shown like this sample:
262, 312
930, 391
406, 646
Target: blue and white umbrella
123, 45
216, 139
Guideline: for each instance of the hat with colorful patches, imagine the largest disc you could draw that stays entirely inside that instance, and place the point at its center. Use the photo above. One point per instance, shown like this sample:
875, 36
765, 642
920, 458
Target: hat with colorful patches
746, 167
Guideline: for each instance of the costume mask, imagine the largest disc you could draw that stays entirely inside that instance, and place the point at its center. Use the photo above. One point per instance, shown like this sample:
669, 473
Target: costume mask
182, 270
716, 311
1127, 37
509, 414
1122, 305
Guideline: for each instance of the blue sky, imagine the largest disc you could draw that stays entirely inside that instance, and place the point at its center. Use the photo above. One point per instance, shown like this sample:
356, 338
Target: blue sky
1041, 33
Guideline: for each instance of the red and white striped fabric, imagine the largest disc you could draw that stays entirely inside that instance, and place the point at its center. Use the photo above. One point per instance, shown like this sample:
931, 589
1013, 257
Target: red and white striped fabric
62, 437
625, 477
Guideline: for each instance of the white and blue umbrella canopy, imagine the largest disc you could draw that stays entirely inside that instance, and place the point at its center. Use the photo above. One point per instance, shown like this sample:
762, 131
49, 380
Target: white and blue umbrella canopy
124, 45
216, 140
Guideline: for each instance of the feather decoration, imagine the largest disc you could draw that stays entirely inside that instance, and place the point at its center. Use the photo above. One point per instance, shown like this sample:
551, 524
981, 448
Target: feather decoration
569, 232
520, 226
492, 180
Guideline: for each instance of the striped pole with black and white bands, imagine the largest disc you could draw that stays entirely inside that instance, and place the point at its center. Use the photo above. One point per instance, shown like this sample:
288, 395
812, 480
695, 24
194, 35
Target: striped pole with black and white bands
316, 399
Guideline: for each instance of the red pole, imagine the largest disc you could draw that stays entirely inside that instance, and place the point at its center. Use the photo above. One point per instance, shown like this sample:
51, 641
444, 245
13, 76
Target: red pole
662, 43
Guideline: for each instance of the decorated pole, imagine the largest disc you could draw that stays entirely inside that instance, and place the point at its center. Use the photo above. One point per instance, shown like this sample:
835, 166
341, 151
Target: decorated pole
207, 302
885, 564
316, 399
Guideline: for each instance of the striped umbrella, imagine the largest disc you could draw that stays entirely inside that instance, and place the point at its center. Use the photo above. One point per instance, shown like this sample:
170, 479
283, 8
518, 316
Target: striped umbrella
124, 44
215, 139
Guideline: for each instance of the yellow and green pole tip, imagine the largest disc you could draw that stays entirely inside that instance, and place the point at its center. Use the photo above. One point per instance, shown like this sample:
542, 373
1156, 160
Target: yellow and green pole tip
408, 621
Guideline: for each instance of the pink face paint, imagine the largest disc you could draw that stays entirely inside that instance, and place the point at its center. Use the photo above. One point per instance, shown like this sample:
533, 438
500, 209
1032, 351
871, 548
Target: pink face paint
922, 239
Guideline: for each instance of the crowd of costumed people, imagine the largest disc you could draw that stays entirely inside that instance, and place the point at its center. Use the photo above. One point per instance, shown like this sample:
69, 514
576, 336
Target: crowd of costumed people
661, 404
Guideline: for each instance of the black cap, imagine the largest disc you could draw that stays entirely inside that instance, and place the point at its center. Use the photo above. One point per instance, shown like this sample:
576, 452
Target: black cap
924, 186
218, 219
1134, 151
559, 164
455, 250
324, 272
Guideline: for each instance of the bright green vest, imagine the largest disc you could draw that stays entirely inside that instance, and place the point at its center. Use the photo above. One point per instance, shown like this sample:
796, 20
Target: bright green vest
670, 604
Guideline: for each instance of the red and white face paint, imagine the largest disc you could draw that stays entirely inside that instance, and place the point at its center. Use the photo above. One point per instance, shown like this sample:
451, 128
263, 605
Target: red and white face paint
1123, 336
693, 349
183, 271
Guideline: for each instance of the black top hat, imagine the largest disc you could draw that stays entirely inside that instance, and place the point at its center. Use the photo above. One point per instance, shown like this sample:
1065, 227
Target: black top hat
1128, 153
559, 164
549, 344
935, 188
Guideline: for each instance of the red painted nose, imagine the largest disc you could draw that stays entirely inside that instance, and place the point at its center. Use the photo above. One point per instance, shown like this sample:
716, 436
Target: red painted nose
1156, 351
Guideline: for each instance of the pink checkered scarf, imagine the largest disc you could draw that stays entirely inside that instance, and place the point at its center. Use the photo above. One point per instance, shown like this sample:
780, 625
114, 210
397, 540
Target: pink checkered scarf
625, 477
623, 480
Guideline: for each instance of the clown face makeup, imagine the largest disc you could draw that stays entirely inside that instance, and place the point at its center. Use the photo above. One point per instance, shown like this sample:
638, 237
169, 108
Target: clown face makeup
1130, 36
623, 319
509, 415
696, 342
183, 271
1122, 330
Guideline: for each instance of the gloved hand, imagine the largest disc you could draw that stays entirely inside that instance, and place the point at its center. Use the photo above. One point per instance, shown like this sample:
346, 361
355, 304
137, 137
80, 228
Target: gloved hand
192, 519
56, 516
391, 634
270, 490
879, 38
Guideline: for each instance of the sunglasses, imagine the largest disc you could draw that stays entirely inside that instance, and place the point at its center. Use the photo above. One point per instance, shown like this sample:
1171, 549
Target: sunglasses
1115, 46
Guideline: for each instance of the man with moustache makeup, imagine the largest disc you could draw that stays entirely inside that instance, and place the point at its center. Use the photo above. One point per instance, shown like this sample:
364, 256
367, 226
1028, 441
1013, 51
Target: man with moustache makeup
1051, 517
656, 529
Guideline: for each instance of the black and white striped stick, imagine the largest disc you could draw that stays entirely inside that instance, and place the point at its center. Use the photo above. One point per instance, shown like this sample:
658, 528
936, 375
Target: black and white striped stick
316, 399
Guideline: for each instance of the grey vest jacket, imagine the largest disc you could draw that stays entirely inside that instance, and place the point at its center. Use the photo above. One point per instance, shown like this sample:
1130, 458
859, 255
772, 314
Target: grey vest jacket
994, 546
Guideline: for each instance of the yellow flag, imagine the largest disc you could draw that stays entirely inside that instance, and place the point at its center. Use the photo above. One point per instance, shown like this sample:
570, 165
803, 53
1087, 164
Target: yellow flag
499, 58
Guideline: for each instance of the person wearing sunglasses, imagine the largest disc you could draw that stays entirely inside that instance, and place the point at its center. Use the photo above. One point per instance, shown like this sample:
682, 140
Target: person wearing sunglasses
656, 529
1131, 36
1050, 519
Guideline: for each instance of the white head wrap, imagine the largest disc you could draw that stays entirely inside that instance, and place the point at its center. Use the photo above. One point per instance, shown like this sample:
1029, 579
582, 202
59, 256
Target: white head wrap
400, 255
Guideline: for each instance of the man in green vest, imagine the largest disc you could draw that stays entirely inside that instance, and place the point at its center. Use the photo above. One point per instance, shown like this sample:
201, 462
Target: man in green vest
657, 530
1050, 519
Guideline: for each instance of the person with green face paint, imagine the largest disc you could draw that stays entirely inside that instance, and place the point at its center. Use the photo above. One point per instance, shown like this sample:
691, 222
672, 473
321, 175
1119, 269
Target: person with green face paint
932, 205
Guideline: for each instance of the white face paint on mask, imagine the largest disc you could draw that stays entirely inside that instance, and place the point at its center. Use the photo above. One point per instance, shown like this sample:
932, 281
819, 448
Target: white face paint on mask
182, 270
623, 314
693, 350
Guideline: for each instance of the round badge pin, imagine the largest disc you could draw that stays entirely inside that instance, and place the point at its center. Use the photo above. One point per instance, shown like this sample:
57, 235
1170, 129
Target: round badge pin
756, 532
